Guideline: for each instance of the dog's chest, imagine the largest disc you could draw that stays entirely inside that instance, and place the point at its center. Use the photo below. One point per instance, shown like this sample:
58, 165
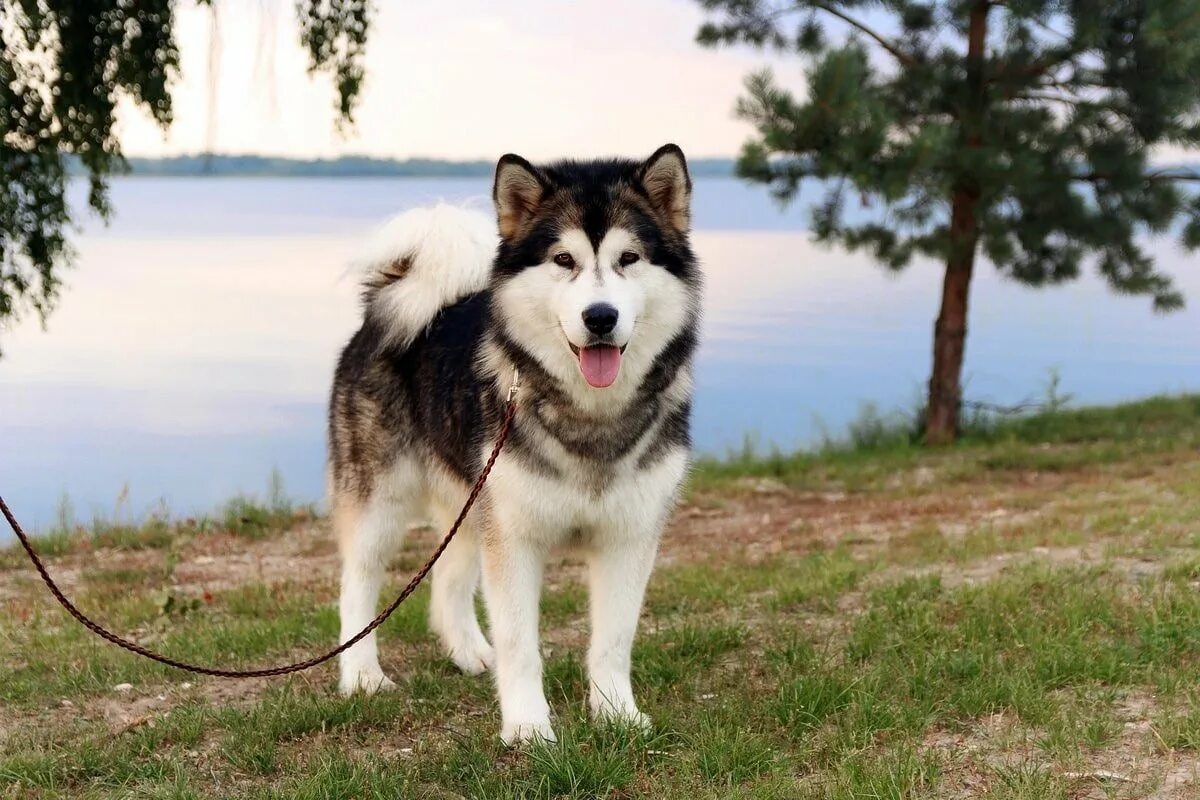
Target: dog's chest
568, 506
580, 443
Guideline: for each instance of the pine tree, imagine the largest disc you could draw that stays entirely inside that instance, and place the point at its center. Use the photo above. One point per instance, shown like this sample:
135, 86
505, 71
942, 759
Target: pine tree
64, 65
1018, 129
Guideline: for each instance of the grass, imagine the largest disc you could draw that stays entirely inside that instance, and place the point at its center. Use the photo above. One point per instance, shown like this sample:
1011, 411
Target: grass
945, 652
728, 755
244, 516
876, 447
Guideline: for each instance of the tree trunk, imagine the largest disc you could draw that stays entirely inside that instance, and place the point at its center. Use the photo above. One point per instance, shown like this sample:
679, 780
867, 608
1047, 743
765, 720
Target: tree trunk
950, 330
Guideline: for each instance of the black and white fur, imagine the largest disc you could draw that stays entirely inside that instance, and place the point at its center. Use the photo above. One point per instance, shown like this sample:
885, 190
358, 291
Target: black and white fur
451, 311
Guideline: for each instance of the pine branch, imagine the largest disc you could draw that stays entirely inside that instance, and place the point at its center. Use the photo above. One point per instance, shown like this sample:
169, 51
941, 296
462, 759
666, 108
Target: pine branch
1078, 102
905, 58
1168, 175
1073, 83
1040, 67
1159, 176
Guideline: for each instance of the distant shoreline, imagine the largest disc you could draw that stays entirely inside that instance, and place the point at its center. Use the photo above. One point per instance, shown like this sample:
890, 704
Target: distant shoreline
255, 166
220, 166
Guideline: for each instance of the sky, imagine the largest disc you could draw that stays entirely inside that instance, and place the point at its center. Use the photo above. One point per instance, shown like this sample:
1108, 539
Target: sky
461, 79
466, 79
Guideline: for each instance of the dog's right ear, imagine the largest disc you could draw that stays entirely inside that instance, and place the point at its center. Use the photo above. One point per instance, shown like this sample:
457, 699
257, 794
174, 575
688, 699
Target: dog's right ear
518, 192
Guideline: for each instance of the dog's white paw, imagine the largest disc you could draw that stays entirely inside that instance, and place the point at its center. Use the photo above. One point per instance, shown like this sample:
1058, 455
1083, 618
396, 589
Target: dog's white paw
463, 642
634, 719
474, 658
514, 733
619, 714
366, 679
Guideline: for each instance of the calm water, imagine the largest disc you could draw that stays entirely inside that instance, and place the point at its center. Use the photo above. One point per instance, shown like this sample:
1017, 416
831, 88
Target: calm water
193, 346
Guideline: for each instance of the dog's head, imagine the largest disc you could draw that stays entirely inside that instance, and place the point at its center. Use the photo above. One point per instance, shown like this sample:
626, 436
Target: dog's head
595, 275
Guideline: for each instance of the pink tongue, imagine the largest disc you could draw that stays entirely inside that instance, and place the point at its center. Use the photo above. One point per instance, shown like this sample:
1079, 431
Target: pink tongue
600, 364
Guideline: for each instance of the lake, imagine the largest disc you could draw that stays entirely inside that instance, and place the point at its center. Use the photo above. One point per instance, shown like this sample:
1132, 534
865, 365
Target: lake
192, 349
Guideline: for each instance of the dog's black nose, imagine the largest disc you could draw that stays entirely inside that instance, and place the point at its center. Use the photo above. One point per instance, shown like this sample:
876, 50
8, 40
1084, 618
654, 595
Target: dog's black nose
600, 318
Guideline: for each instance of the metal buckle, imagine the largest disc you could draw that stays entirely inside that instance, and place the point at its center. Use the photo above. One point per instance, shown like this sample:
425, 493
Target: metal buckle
516, 385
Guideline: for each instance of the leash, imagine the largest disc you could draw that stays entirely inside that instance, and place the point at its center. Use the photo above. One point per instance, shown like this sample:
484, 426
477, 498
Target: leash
510, 412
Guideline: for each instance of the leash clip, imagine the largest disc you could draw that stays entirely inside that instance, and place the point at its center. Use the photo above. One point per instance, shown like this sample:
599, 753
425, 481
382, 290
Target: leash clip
516, 385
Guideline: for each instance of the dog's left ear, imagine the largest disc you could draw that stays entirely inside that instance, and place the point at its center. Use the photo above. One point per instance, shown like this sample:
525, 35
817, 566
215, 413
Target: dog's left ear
665, 177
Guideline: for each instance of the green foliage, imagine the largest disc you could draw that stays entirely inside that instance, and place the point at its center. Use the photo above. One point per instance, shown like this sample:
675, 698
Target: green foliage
335, 33
1050, 131
64, 67
62, 70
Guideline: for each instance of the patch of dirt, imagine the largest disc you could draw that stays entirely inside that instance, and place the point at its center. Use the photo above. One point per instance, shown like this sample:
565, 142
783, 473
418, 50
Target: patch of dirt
755, 523
1134, 766
759, 519
754, 520
222, 562
984, 569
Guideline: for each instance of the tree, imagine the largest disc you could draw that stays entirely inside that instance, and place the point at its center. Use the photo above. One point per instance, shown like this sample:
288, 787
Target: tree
1020, 129
63, 67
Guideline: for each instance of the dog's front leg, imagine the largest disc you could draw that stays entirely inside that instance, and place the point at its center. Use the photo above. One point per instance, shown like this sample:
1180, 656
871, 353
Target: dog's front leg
512, 584
617, 574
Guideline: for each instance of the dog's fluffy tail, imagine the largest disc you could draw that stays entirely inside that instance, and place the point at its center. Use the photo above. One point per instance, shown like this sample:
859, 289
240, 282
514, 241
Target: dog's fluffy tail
421, 261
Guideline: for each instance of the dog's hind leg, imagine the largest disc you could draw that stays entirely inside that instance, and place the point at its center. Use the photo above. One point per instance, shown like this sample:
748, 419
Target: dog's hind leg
369, 534
452, 604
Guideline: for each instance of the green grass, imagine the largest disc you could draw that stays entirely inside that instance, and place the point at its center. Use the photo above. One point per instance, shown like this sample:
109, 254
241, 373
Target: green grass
847, 668
876, 448
738, 714
1027, 782
1178, 728
244, 516
728, 755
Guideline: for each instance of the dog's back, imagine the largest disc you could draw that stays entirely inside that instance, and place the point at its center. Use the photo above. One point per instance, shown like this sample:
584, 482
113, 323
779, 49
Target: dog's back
422, 278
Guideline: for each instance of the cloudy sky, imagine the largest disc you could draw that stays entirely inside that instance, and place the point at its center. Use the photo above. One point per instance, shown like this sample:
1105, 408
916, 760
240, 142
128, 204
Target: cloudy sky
461, 79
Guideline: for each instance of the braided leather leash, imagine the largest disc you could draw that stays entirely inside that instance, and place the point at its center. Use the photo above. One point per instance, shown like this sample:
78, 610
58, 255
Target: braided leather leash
505, 428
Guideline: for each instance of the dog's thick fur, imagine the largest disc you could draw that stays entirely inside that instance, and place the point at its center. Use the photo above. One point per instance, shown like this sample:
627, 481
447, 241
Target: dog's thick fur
451, 310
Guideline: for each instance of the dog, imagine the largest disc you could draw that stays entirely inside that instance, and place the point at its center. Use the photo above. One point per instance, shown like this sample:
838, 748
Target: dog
587, 285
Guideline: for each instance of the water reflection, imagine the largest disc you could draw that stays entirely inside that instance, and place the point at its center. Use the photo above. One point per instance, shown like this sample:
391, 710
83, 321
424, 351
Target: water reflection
193, 346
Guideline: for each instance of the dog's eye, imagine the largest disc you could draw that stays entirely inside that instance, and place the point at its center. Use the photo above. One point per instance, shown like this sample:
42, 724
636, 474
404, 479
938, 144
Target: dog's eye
565, 260
628, 257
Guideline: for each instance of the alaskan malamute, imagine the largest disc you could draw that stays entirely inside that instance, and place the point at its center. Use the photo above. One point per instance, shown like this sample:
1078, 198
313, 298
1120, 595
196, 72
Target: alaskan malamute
592, 292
